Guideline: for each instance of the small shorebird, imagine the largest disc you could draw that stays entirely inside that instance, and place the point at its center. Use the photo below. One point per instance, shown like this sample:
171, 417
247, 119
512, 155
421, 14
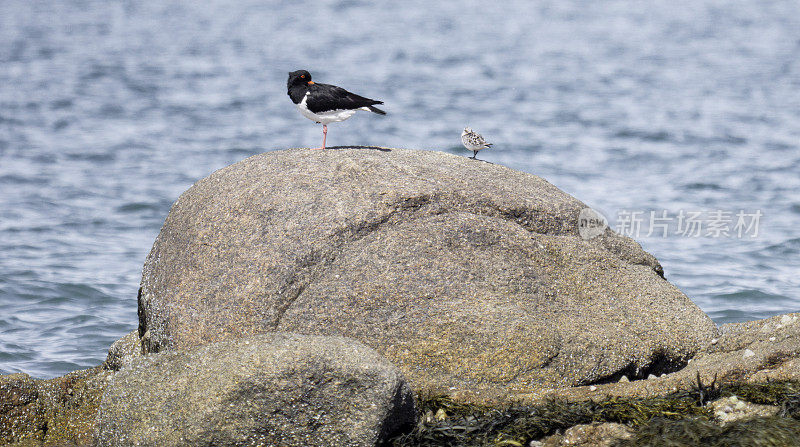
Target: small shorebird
324, 103
473, 141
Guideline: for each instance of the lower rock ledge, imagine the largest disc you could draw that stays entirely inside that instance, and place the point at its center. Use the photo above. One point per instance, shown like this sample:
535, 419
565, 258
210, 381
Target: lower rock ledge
687, 417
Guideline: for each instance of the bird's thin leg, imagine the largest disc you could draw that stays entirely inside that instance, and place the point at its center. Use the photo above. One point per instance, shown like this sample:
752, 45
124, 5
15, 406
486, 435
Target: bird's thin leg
474, 155
324, 135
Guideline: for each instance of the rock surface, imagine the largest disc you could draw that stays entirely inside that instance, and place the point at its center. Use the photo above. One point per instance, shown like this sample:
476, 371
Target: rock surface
124, 351
729, 409
53, 412
271, 389
775, 343
472, 278
19, 419
590, 435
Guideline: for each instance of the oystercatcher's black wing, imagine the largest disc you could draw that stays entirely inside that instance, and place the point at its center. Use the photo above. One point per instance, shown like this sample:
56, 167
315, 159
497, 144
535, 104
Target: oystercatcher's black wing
326, 97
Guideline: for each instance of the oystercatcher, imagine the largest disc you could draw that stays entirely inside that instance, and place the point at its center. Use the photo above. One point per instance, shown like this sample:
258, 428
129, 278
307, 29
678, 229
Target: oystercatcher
324, 103
473, 141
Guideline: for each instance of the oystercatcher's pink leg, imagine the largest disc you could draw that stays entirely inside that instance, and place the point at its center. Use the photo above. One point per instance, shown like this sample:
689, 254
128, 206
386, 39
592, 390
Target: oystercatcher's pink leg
324, 135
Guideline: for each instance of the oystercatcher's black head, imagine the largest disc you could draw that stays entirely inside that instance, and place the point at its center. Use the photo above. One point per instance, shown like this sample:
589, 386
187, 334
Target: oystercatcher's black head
299, 78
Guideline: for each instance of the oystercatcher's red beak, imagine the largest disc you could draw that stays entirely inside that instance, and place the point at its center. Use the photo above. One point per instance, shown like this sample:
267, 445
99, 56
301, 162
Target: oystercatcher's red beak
310, 82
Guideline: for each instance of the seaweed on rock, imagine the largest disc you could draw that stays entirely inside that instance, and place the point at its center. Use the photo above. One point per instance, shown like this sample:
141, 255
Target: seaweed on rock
678, 419
763, 431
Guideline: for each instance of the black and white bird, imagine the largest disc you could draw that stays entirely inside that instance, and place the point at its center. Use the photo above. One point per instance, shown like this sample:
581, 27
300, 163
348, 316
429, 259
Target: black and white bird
473, 141
324, 103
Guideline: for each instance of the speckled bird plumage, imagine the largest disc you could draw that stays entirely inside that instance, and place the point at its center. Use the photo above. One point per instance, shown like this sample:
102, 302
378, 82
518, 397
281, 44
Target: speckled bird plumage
473, 141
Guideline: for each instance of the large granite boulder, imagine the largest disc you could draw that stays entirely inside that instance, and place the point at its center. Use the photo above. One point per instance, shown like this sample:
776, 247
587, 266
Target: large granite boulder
472, 278
271, 389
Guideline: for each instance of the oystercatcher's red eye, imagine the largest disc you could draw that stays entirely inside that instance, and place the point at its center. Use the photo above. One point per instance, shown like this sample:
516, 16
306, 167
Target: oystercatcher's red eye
303, 76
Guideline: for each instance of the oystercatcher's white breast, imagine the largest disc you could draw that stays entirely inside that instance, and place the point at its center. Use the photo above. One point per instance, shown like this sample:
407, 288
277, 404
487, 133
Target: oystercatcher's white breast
330, 116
